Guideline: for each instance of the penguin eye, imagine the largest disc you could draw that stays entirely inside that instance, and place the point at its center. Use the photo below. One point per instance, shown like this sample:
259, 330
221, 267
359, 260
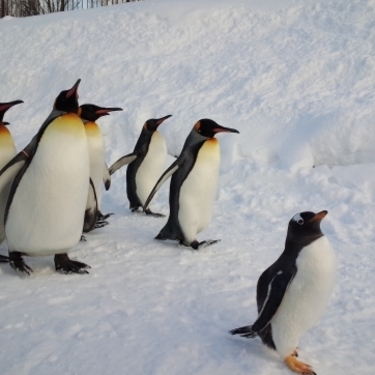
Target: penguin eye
300, 222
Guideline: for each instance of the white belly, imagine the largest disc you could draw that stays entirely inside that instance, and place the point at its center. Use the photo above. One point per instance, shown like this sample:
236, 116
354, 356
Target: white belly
198, 191
152, 167
47, 211
306, 297
7, 152
97, 158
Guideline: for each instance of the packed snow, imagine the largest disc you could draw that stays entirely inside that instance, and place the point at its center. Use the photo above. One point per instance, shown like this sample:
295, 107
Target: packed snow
297, 79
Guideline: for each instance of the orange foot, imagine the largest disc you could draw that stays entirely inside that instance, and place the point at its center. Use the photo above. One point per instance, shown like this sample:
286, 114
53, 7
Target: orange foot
297, 366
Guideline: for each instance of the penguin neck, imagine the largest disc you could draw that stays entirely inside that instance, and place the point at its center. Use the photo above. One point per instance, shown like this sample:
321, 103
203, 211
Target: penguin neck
4, 129
144, 141
193, 138
295, 243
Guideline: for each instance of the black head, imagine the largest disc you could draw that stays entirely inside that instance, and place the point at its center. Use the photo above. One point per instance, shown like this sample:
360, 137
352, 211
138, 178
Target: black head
208, 128
4, 107
67, 101
152, 124
306, 224
91, 112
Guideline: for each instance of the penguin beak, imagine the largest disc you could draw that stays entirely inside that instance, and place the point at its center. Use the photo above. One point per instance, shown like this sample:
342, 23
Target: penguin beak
319, 216
160, 120
73, 90
104, 111
223, 129
5, 106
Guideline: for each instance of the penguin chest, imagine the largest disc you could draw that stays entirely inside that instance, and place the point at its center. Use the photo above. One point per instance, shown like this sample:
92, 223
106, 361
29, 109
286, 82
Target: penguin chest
307, 295
47, 208
198, 191
97, 156
152, 166
7, 147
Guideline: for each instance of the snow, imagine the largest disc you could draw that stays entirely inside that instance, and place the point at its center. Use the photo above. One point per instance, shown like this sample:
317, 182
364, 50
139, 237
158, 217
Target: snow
297, 79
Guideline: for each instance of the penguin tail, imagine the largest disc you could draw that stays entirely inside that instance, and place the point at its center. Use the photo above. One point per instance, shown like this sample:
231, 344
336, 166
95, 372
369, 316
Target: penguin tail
246, 331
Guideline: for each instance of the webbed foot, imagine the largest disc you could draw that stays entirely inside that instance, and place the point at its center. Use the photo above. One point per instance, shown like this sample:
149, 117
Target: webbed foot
298, 366
154, 214
65, 265
4, 259
100, 224
102, 217
17, 263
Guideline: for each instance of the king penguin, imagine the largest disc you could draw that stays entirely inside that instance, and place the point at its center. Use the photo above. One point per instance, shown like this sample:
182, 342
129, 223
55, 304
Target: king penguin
294, 291
7, 152
146, 163
46, 205
99, 173
7, 146
193, 185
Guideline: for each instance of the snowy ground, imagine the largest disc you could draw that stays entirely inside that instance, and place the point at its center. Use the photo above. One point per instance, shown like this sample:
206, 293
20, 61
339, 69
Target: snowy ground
297, 78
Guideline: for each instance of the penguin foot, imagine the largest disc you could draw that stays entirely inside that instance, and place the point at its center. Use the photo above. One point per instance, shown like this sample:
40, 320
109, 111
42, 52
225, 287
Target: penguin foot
297, 366
100, 224
18, 264
65, 265
201, 245
4, 259
246, 331
83, 238
102, 217
154, 214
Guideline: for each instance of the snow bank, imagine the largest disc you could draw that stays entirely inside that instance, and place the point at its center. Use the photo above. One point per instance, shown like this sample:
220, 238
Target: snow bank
297, 79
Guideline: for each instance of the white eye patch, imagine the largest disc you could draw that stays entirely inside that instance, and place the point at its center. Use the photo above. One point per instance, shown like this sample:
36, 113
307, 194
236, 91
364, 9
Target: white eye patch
298, 218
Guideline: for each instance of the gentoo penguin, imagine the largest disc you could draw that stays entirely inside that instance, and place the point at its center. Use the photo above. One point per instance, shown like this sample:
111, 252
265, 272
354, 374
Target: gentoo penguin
7, 152
99, 173
146, 163
46, 205
294, 291
193, 185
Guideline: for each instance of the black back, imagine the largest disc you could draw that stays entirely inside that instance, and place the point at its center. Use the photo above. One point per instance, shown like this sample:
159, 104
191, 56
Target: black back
140, 149
187, 159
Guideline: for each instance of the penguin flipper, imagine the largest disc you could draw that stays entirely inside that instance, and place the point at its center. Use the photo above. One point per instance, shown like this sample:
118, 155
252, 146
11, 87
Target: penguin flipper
91, 212
275, 293
164, 177
127, 159
7, 175
106, 177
